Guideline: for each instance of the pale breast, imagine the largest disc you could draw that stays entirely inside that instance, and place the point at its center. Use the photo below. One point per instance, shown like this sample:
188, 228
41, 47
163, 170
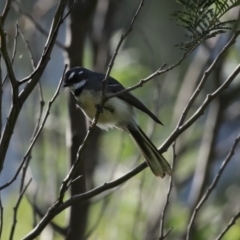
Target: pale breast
116, 112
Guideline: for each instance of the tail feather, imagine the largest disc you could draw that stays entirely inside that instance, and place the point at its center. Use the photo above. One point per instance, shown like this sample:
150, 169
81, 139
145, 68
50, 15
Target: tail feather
157, 163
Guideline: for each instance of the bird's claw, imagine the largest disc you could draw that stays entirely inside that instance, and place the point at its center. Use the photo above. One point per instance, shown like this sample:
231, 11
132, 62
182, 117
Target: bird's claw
99, 108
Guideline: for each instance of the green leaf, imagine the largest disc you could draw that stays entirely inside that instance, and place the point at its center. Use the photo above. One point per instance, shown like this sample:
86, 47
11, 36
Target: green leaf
202, 20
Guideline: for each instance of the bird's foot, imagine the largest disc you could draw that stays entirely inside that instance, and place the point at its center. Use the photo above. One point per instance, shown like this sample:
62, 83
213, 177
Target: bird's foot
99, 108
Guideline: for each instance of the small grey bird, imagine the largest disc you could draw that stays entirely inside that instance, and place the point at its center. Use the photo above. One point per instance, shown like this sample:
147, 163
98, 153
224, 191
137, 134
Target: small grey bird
118, 112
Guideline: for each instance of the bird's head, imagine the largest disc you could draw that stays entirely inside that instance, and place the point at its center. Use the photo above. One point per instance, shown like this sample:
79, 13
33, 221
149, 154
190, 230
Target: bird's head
76, 78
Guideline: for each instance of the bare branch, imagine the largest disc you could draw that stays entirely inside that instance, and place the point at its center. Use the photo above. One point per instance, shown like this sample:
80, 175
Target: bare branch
35, 76
36, 24
48, 47
230, 224
118, 47
211, 187
179, 129
14, 50
15, 210
68, 178
5, 11
165, 236
168, 196
37, 133
70, 9
8, 63
55, 227
56, 208
205, 154
98, 220
206, 75
28, 47
60, 206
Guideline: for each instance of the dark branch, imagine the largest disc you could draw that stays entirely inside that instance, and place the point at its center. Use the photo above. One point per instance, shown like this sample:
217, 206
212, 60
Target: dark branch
37, 133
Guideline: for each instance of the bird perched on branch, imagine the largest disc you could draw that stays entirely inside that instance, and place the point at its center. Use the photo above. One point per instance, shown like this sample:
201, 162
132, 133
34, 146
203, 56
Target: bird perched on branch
118, 112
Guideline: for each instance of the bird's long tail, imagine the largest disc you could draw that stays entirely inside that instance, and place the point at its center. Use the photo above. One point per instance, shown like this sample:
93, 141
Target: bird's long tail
157, 163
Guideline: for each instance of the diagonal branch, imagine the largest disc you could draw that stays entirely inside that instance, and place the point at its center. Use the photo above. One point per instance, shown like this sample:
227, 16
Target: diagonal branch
67, 180
6, 10
110, 66
206, 75
211, 187
39, 130
36, 24
33, 80
230, 224
55, 227
180, 129
59, 207
8, 63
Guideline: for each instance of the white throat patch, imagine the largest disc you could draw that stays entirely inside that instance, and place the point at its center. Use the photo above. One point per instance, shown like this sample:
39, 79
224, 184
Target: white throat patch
78, 85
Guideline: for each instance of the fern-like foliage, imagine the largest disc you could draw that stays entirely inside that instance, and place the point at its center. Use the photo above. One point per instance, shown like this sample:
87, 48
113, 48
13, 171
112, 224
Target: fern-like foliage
202, 20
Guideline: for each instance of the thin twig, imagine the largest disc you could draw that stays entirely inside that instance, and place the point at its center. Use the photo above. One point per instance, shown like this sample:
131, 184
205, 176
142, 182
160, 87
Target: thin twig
211, 187
167, 233
138, 207
206, 75
33, 64
6, 10
14, 50
162, 220
65, 182
59, 207
36, 24
199, 111
56, 208
123, 36
160, 71
15, 209
99, 218
70, 9
28, 47
37, 133
48, 46
230, 224
39, 212
8, 62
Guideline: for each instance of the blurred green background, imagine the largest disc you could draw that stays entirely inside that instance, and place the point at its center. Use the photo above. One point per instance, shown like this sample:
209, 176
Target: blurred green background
133, 210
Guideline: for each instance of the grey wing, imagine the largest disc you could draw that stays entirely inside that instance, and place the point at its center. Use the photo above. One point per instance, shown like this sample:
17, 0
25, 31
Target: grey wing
115, 87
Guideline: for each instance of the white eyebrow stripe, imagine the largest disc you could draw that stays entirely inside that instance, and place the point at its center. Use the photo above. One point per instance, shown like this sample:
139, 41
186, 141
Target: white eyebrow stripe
80, 72
71, 75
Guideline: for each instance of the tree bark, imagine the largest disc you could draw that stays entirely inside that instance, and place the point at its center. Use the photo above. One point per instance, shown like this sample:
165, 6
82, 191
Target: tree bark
77, 29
